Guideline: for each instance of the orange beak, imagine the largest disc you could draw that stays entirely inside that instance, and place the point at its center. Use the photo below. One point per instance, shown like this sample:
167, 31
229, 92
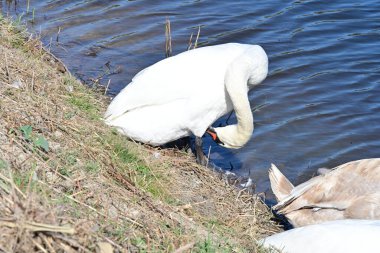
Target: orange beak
214, 135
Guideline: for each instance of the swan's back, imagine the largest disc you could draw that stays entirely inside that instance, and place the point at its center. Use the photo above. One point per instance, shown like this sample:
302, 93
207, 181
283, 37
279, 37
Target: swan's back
194, 73
341, 236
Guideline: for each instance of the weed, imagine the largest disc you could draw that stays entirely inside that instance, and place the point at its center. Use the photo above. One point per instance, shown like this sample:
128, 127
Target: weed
18, 21
64, 171
209, 246
140, 243
33, 15
3, 164
143, 170
38, 141
69, 115
69, 158
26, 132
24, 180
42, 143
123, 154
82, 98
92, 167
84, 104
119, 231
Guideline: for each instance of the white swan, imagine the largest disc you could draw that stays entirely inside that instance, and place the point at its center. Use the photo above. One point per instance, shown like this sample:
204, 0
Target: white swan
340, 236
184, 94
349, 191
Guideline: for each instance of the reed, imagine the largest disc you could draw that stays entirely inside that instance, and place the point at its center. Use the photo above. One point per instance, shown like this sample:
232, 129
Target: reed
168, 39
190, 44
27, 6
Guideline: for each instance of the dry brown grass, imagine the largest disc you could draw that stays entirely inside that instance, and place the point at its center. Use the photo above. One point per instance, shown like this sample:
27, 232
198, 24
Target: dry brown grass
92, 188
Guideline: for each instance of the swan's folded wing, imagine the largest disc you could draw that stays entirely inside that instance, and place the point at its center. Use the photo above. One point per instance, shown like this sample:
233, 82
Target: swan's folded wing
296, 193
187, 75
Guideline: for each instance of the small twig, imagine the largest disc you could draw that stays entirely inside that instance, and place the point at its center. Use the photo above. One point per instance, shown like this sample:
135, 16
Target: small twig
208, 156
108, 84
7, 73
190, 42
113, 243
47, 243
13, 185
32, 81
59, 31
196, 40
185, 247
39, 246
51, 42
3, 249
38, 227
66, 248
55, 58
71, 243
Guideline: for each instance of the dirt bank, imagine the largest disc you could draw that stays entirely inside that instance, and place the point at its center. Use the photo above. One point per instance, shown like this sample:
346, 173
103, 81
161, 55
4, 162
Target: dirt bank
69, 183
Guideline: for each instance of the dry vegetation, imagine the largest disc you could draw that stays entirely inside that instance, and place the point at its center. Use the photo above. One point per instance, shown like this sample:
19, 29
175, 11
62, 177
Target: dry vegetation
69, 183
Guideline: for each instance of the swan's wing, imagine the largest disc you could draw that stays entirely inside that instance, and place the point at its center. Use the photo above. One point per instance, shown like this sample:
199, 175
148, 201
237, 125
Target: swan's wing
337, 189
156, 85
365, 207
296, 193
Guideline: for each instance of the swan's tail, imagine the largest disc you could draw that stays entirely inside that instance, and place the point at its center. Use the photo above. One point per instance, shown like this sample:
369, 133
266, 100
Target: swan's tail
280, 185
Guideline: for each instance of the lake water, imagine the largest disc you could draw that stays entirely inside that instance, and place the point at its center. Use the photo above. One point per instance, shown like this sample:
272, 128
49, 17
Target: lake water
319, 106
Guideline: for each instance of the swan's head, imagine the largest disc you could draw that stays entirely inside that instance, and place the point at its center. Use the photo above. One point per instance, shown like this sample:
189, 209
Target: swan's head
228, 136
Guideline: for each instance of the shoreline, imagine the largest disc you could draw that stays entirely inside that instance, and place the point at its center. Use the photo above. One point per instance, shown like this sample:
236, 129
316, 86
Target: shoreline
69, 182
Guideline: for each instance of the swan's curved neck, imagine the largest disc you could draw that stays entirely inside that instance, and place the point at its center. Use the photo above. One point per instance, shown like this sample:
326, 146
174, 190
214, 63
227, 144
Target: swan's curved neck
236, 79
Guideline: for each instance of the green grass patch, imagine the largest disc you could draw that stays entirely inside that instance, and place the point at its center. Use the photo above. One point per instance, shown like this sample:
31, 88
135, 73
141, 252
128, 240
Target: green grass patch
65, 171
71, 159
25, 180
84, 104
116, 230
209, 246
92, 166
38, 141
122, 153
82, 98
3, 164
140, 243
128, 162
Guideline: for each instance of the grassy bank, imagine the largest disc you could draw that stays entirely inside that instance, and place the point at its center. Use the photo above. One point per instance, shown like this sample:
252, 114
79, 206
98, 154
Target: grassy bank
69, 183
